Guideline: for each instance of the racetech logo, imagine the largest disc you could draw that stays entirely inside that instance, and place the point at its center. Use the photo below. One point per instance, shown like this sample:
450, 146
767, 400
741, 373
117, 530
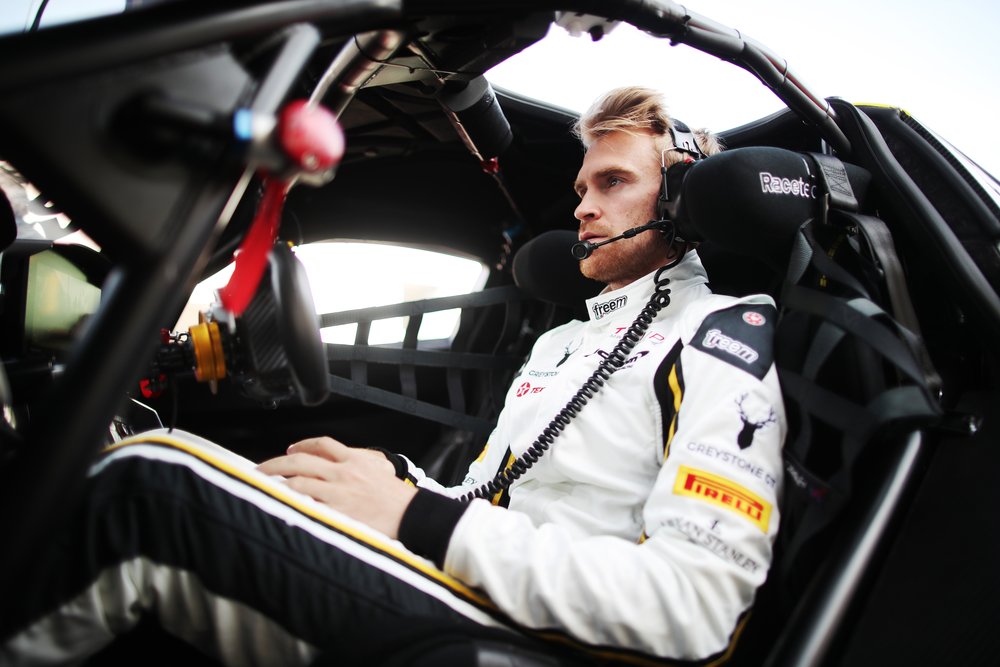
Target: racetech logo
776, 185
722, 492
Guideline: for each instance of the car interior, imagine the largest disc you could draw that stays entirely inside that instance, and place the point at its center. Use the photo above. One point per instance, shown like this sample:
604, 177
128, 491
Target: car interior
887, 281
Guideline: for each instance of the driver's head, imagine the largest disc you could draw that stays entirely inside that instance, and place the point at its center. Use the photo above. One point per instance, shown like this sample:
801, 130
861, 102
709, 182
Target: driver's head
636, 109
624, 133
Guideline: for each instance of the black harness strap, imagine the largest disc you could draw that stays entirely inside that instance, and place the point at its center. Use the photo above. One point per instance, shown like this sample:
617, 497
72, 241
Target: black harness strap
825, 264
879, 240
889, 382
854, 320
834, 183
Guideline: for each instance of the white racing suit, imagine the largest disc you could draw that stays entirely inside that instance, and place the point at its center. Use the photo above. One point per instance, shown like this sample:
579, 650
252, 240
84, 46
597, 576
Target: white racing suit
649, 523
642, 534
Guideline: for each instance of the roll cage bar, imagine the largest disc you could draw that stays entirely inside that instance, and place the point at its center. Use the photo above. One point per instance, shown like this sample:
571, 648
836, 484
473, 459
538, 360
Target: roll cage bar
193, 25
665, 18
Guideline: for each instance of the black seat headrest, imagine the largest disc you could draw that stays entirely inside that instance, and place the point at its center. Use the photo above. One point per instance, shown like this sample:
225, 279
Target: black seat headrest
752, 201
545, 268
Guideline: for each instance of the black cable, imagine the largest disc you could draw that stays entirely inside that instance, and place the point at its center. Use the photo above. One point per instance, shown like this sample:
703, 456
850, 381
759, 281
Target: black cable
38, 16
174, 406
615, 360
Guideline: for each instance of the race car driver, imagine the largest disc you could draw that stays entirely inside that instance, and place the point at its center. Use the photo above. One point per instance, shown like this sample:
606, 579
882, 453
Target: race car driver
642, 533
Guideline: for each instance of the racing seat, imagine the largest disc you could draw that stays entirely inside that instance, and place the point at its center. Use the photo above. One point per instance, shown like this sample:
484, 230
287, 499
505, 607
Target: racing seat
859, 386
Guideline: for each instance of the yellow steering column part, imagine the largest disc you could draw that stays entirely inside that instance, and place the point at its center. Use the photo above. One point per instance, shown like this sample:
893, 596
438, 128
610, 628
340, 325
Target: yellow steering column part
210, 362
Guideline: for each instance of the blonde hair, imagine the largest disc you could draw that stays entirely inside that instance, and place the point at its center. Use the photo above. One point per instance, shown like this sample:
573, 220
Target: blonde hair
635, 109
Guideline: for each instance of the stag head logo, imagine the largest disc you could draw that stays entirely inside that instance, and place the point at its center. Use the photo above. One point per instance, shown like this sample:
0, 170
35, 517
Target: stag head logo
750, 427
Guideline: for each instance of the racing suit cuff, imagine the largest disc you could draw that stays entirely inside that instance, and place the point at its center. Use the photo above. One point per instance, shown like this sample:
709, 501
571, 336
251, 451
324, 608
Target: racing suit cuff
428, 522
397, 461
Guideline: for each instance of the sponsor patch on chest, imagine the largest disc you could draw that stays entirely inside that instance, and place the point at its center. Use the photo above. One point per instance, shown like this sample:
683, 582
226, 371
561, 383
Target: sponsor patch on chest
741, 336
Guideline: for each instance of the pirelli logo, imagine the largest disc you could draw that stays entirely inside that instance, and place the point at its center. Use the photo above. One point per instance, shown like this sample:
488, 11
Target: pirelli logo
723, 493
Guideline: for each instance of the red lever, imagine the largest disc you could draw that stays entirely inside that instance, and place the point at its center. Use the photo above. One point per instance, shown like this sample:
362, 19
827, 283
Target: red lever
311, 138
251, 258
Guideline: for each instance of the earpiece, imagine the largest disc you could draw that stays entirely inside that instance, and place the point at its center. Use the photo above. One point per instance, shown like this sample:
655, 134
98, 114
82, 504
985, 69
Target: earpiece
684, 142
661, 201
666, 210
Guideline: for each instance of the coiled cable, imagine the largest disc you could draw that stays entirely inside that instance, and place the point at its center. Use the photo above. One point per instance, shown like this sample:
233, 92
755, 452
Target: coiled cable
659, 300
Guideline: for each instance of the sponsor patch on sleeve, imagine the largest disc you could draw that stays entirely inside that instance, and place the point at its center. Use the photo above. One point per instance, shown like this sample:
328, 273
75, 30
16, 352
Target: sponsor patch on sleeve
741, 336
724, 493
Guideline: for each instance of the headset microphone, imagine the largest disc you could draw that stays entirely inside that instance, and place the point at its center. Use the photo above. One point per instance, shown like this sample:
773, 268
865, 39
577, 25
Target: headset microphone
584, 249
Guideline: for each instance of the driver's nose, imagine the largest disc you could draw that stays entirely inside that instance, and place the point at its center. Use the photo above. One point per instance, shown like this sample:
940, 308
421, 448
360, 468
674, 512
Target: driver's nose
587, 208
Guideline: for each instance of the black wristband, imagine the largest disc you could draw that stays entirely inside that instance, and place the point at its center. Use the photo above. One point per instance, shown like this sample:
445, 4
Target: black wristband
428, 522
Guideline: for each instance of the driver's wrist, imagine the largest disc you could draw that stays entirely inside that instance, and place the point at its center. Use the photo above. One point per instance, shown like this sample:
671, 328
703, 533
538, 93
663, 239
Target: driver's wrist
428, 523
397, 461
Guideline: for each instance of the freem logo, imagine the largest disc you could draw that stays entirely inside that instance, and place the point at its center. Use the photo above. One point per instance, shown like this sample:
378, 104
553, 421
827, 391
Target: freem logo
720, 341
722, 492
608, 307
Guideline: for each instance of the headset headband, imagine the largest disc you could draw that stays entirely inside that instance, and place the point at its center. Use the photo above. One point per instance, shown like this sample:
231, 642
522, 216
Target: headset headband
684, 140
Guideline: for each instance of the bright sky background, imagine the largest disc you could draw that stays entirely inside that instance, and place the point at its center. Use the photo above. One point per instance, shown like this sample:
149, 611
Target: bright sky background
939, 61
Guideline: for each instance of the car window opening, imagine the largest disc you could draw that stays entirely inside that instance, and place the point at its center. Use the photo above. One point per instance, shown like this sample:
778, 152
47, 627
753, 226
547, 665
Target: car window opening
352, 275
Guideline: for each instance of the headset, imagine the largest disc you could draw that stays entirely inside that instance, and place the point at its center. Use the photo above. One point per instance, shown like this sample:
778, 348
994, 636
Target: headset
684, 143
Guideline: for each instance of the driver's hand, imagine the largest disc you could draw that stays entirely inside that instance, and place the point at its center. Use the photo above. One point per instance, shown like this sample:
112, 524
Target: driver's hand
361, 483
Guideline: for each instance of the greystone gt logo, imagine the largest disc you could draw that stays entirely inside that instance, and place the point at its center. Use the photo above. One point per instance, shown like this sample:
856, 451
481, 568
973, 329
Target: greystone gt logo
602, 309
720, 341
776, 185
